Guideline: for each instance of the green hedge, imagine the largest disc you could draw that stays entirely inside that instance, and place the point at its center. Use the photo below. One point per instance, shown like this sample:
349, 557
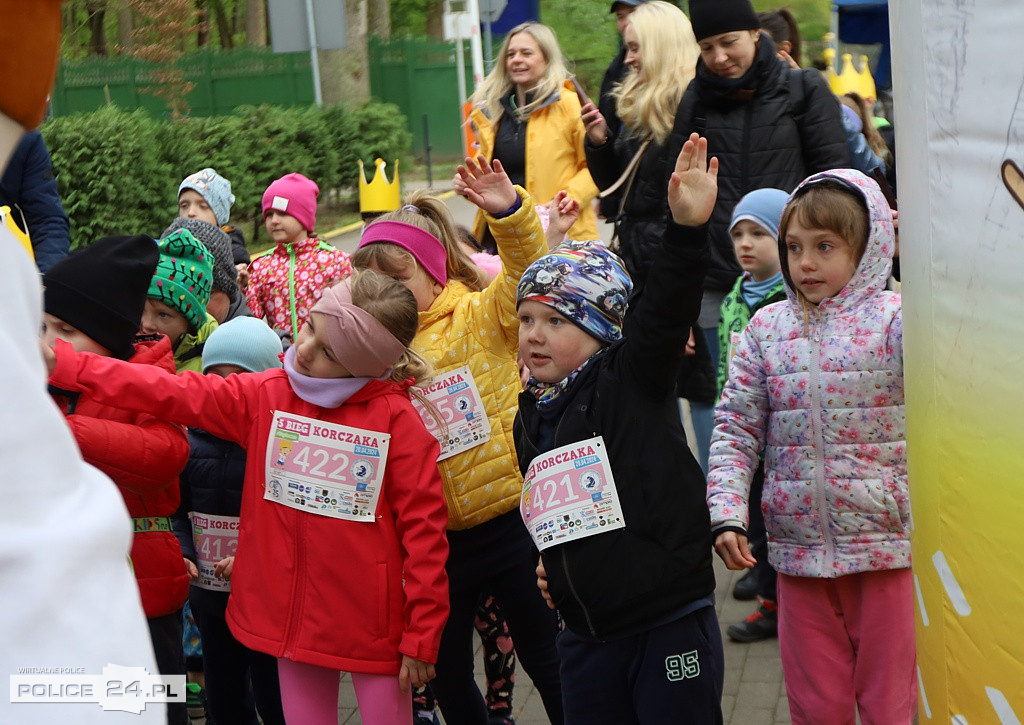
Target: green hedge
118, 172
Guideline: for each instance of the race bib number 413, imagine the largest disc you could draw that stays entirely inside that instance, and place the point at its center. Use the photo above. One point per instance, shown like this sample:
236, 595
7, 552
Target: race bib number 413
569, 493
324, 468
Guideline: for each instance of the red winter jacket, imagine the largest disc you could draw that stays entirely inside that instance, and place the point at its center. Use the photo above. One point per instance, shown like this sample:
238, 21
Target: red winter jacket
333, 593
143, 454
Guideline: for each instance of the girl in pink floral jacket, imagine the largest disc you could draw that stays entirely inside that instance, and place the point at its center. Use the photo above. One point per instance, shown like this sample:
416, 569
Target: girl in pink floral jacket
816, 383
287, 281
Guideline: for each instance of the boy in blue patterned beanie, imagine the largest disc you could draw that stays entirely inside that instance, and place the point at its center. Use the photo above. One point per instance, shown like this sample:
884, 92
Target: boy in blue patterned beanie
583, 281
612, 496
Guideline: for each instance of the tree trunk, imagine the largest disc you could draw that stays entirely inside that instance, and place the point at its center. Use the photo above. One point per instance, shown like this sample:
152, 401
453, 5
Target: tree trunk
125, 25
223, 28
435, 18
256, 23
378, 18
344, 74
97, 10
203, 26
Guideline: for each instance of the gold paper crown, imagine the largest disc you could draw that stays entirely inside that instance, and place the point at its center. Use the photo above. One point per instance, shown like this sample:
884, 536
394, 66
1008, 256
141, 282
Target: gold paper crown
850, 79
7, 220
379, 195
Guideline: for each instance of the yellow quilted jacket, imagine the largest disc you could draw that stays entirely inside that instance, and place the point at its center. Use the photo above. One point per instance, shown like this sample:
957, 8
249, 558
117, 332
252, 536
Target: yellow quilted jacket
555, 159
481, 330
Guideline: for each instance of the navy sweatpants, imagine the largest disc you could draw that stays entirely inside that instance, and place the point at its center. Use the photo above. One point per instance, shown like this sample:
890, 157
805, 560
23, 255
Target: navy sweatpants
670, 674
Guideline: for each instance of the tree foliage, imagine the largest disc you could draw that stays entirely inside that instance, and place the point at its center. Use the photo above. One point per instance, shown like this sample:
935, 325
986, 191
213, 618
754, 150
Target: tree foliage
105, 27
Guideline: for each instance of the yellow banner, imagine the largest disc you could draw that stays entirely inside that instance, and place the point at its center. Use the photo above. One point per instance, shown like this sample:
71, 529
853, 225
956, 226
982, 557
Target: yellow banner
959, 89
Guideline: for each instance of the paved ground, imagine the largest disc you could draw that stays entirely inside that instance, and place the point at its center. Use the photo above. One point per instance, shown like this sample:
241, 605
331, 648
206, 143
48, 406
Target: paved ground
754, 693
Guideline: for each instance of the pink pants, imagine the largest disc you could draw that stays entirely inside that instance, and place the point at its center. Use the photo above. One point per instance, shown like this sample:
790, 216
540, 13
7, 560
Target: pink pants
309, 695
848, 644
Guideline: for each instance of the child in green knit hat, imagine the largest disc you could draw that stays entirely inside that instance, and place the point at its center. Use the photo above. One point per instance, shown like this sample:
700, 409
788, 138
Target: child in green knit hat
177, 298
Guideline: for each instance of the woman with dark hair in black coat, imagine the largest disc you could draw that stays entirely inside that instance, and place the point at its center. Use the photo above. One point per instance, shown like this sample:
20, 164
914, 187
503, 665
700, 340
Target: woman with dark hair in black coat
768, 125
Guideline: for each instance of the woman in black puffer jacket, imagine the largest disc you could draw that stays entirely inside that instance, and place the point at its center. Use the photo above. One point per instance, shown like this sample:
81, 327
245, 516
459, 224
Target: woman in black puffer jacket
661, 53
768, 125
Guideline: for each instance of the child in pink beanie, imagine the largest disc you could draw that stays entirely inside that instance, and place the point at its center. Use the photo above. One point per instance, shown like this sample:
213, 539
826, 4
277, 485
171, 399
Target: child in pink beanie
286, 281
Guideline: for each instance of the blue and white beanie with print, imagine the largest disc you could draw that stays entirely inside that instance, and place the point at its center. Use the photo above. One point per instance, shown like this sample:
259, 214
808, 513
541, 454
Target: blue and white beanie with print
583, 281
215, 189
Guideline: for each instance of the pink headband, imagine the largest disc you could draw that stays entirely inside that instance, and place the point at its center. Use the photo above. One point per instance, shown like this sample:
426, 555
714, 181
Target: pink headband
364, 346
421, 244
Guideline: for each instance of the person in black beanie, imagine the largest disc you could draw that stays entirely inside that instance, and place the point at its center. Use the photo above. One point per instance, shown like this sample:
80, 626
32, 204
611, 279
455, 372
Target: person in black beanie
94, 301
769, 126
100, 292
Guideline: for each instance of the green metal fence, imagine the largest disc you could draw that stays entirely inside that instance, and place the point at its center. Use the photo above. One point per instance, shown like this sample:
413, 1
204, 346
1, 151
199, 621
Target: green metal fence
223, 81
419, 76
416, 74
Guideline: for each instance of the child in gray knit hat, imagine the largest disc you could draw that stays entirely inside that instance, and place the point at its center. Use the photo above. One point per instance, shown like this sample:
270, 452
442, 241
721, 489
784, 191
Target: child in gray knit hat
226, 300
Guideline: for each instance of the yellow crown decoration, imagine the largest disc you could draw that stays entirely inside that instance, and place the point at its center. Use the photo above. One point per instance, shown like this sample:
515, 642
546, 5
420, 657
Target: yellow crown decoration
7, 220
830, 70
867, 88
379, 195
850, 79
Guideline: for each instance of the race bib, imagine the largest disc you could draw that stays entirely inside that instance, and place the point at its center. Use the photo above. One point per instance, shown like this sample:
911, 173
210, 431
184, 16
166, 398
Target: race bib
569, 493
734, 340
456, 398
215, 537
324, 468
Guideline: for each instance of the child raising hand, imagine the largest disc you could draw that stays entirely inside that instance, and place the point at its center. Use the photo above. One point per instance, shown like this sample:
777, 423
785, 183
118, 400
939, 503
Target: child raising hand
600, 441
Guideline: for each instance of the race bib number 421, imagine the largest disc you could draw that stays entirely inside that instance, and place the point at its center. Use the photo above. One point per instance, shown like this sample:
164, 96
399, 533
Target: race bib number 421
569, 493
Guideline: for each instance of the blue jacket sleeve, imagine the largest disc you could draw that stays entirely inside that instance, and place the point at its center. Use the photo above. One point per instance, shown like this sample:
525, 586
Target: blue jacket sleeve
29, 184
862, 157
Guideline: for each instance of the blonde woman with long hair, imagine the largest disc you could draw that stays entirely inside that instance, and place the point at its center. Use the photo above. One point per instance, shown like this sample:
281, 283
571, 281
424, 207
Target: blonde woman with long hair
529, 88
661, 53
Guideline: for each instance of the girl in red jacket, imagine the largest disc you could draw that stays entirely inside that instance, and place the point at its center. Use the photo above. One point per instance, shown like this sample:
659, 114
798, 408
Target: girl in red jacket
94, 301
341, 546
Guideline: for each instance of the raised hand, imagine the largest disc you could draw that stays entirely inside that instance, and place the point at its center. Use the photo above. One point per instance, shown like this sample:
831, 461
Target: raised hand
693, 187
597, 127
486, 185
563, 211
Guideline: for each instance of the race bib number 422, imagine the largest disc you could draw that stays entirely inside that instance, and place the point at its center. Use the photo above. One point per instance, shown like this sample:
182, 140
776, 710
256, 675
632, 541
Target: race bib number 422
324, 468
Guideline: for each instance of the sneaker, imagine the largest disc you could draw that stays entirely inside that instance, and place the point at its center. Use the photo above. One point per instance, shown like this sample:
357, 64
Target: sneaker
195, 700
762, 624
745, 589
425, 717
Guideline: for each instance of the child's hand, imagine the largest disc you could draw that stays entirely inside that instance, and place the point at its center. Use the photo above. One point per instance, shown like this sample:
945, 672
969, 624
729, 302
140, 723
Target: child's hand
693, 188
223, 568
734, 550
542, 583
243, 275
416, 672
597, 127
49, 357
192, 569
563, 211
485, 185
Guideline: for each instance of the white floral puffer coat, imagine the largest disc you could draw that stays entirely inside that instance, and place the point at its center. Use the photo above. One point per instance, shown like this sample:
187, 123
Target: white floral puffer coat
826, 408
